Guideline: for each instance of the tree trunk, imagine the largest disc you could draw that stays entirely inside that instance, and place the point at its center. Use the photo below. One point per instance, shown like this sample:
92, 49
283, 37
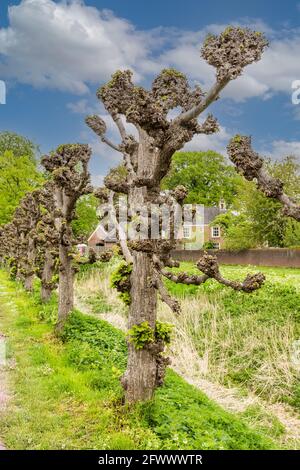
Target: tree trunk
140, 377
139, 380
28, 282
66, 291
47, 274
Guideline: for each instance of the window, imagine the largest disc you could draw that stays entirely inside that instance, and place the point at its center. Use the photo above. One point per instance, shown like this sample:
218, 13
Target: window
222, 205
186, 232
215, 232
216, 246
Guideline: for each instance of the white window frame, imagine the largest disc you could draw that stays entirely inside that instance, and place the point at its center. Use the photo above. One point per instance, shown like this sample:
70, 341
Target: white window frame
217, 245
215, 227
187, 227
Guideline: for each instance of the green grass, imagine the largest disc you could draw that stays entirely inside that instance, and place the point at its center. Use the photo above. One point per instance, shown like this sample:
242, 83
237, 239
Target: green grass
98, 304
67, 393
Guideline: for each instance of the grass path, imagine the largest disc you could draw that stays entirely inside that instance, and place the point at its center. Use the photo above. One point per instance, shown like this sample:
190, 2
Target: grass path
4, 379
4, 394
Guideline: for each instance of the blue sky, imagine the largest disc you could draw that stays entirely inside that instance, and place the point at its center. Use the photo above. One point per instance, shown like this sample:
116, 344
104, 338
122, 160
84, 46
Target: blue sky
54, 55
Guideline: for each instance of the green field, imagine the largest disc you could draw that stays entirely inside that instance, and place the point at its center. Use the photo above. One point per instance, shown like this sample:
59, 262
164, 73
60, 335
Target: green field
247, 338
235, 340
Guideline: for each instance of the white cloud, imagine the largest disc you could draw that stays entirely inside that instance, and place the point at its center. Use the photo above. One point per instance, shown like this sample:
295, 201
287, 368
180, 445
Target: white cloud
185, 55
279, 66
83, 107
282, 148
97, 180
245, 87
66, 45
216, 142
274, 73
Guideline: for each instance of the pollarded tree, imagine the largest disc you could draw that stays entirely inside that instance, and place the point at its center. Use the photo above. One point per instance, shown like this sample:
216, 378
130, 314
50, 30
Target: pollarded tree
26, 217
147, 160
17, 241
68, 166
9, 248
46, 242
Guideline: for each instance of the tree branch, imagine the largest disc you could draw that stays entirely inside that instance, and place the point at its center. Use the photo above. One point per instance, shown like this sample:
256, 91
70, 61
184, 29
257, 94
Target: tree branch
165, 296
211, 96
209, 266
110, 144
250, 164
122, 236
97, 124
184, 278
117, 119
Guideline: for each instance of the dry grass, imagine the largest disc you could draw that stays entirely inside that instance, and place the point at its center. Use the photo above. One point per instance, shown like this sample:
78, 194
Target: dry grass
97, 282
209, 343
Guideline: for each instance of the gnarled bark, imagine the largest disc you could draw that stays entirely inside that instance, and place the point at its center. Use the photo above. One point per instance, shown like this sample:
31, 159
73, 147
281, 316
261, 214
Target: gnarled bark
251, 165
139, 380
46, 277
65, 287
71, 179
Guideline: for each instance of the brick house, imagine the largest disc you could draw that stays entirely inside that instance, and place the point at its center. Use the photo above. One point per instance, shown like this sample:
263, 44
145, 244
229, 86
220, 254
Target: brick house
100, 241
192, 236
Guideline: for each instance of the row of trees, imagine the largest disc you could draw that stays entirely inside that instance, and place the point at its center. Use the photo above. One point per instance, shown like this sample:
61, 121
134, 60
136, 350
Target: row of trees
39, 240
147, 160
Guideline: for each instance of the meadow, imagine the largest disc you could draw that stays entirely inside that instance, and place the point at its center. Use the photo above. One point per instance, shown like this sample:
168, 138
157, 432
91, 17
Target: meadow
66, 394
237, 347
232, 385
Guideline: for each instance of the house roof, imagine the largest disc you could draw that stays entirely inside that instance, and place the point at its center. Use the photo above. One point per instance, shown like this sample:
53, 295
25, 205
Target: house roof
100, 234
210, 213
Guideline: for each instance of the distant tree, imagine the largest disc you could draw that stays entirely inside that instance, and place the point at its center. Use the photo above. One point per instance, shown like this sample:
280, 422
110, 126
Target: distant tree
237, 231
206, 175
18, 175
292, 234
86, 219
19, 145
257, 221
